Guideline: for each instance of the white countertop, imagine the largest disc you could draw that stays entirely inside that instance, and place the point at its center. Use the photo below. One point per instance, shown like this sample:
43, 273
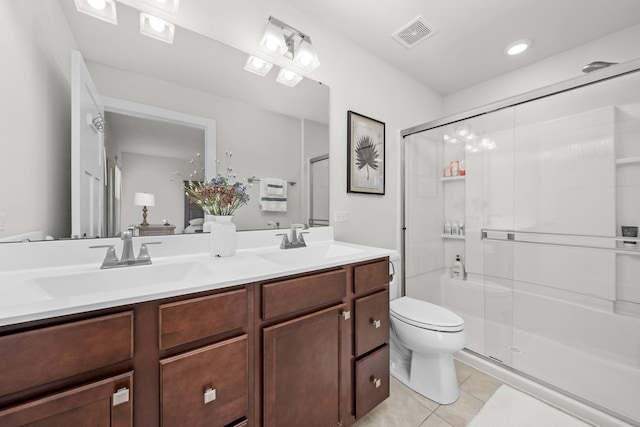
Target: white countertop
33, 293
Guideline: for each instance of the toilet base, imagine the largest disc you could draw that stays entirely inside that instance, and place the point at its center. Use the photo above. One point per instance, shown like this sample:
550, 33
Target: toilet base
433, 376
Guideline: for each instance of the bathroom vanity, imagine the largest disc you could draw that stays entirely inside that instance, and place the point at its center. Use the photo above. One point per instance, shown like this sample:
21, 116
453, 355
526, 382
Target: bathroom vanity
304, 344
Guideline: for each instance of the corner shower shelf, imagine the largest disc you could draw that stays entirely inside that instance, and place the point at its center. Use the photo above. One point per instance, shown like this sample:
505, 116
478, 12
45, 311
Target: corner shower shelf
453, 236
627, 160
453, 178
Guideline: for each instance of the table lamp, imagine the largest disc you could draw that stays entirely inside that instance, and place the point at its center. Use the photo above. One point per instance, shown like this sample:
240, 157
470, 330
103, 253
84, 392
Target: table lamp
144, 199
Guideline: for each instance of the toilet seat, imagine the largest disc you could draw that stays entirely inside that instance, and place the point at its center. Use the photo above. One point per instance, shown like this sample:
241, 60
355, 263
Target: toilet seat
425, 315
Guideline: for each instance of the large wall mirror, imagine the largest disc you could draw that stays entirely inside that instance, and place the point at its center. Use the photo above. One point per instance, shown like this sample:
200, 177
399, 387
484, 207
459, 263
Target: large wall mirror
208, 105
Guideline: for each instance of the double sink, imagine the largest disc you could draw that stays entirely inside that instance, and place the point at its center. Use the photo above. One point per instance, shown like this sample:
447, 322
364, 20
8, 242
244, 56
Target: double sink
168, 275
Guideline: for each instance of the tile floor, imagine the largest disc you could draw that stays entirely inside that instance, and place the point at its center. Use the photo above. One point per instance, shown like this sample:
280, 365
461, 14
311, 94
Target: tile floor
406, 408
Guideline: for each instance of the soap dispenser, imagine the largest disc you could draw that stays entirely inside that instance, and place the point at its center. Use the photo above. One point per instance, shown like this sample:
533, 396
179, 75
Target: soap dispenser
457, 270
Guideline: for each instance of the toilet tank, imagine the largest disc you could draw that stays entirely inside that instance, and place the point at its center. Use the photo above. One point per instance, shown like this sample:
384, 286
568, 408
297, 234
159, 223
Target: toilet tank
395, 271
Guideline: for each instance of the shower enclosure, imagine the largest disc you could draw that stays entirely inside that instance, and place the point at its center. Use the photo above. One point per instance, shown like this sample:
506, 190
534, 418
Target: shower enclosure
538, 188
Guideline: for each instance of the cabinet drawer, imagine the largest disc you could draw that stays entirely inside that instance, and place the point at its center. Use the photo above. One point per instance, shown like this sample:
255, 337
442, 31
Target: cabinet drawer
303, 293
76, 407
372, 380
185, 321
215, 374
370, 276
372, 322
34, 358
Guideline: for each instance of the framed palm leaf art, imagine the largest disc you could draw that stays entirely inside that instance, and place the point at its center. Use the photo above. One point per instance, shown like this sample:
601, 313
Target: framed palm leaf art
365, 154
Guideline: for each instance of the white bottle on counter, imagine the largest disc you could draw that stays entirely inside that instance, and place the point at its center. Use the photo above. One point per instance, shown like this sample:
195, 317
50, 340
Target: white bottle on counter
447, 228
457, 270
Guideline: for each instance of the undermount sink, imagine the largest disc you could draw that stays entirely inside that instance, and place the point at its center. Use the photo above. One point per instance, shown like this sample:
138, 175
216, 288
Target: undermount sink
310, 254
74, 284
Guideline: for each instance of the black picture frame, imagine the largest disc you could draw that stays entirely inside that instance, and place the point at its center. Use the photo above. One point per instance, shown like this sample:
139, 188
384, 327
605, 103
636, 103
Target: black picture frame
365, 154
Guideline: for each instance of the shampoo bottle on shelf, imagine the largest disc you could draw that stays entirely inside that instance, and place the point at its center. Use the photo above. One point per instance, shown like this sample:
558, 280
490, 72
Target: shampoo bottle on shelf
447, 228
457, 270
455, 228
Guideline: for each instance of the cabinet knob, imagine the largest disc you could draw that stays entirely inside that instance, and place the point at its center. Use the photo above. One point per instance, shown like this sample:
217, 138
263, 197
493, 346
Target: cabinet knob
209, 395
377, 382
346, 314
376, 323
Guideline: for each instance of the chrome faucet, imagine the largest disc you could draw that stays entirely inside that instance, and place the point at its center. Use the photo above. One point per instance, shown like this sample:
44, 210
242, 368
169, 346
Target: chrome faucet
296, 240
127, 246
127, 258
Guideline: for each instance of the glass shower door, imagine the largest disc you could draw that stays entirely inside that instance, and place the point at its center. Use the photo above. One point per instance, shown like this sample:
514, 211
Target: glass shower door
496, 148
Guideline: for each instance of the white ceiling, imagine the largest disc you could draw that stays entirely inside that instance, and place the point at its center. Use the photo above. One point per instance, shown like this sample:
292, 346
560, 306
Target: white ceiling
471, 34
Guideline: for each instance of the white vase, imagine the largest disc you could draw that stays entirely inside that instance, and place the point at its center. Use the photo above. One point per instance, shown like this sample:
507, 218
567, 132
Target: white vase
208, 222
223, 236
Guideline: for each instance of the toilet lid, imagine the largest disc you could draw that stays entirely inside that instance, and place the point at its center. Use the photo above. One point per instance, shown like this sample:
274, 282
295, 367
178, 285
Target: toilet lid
425, 315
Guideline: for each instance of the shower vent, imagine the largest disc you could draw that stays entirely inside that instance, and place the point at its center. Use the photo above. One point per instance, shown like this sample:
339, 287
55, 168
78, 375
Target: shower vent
414, 32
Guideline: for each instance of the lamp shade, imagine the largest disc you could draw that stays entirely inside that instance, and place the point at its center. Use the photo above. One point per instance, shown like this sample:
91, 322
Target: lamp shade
144, 199
305, 57
273, 43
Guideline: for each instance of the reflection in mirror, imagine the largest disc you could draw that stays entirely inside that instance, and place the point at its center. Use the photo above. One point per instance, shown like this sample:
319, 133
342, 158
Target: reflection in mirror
272, 130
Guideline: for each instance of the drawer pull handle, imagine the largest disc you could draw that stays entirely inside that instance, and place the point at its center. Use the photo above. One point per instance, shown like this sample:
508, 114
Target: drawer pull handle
209, 395
377, 382
346, 314
376, 323
121, 396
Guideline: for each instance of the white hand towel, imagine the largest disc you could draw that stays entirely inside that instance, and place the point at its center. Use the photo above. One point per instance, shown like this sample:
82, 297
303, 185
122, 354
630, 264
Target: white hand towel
270, 202
275, 186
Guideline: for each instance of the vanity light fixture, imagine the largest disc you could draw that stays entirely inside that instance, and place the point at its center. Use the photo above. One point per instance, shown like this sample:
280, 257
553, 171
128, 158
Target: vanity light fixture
517, 47
167, 6
156, 28
258, 66
104, 10
288, 77
280, 39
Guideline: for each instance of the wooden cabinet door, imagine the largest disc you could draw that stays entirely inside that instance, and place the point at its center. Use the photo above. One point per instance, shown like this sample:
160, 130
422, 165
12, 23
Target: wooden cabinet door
206, 387
301, 369
106, 403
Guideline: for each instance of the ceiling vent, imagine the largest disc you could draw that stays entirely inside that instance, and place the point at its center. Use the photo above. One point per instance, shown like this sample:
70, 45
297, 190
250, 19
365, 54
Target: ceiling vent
414, 32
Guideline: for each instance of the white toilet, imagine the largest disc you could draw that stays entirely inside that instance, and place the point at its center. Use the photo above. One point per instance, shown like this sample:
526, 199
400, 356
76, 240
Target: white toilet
424, 337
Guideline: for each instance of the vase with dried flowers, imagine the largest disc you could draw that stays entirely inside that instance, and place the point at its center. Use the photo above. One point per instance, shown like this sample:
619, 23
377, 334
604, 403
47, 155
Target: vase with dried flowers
220, 197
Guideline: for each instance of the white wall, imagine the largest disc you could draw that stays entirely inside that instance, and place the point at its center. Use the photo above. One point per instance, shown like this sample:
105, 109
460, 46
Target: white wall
618, 47
36, 107
358, 81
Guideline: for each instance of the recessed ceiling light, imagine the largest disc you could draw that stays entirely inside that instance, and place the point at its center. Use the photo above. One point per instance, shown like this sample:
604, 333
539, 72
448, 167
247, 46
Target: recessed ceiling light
156, 28
517, 47
168, 6
258, 66
101, 9
288, 77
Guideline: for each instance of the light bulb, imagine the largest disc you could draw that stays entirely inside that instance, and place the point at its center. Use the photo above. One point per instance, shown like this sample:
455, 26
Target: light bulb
257, 62
305, 60
288, 75
272, 44
156, 23
97, 4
